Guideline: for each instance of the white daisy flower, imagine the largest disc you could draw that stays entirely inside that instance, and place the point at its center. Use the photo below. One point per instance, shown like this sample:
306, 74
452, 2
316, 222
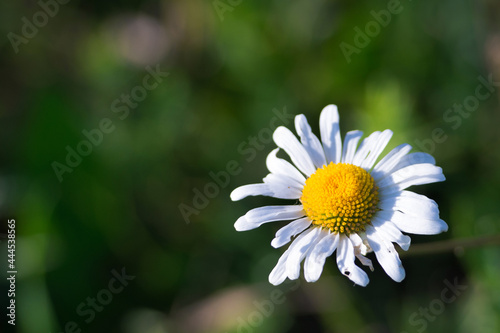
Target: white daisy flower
348, 202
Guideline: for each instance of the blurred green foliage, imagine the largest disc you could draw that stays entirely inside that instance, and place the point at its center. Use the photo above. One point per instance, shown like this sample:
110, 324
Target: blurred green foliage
228, 70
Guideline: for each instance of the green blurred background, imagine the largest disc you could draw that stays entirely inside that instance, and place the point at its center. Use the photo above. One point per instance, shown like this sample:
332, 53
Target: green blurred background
232, 66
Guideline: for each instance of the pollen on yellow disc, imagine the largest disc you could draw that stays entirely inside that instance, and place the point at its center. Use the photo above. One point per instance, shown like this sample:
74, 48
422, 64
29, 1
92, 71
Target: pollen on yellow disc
342, 197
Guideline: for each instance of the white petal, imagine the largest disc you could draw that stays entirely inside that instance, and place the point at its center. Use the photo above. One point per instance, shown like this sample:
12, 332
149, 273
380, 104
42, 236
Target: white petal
298, 154
360, 250
414, 158
298, 251
345, 262
365, 147
281, 167
390, 232
417, 174
350, 143
389, 161
283, 180
410, 203
275, 213
285, 234
278, 274
242, 224
377, 148
258, 216
250, 190
283, 187
356, 240
310, 141
365, 261
330, 133
276, 186
313, 266
412, 224
359, 246
386, 255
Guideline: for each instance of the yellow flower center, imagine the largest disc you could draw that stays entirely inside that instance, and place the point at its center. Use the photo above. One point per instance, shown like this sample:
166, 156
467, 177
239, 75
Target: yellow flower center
342, 197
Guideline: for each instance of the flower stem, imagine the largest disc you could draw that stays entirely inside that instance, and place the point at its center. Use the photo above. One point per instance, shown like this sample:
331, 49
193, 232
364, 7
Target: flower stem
452, 245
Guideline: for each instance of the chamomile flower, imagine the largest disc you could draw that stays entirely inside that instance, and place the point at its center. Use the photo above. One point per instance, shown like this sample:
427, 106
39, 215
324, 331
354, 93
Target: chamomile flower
349, 202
